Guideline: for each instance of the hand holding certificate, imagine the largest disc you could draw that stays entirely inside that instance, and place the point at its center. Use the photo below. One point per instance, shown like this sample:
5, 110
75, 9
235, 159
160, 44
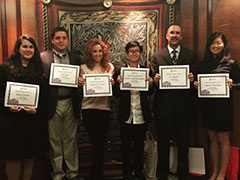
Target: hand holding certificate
21, 95
174, 77
134, 79
213, 85
97, 85
64, 75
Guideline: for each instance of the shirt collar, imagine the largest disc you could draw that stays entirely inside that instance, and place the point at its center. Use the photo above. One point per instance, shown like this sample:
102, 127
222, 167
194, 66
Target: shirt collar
138, 66
59, 55
171, 49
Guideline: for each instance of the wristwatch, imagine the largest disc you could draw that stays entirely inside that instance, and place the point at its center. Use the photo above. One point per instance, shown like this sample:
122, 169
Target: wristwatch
170, 2
107, 3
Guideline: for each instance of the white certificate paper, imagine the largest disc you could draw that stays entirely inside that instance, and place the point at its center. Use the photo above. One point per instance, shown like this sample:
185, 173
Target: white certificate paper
134, 79
64, 75
174, 77
21, 95
97, 85
213, 85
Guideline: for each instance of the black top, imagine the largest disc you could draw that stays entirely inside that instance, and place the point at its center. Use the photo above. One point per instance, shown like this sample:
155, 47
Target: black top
22, 135
217, 113
124, 101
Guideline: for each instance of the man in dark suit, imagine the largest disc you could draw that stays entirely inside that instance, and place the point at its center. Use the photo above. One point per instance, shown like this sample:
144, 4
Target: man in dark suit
64, 111
173, 108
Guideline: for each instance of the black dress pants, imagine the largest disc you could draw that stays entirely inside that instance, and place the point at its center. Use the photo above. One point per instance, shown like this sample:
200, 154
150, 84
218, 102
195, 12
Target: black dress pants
132, 139
97, 122
165, 125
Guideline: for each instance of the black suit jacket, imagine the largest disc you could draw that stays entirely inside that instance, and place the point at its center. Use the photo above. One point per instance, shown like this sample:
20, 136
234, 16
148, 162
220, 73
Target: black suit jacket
164, 100
47, 59
124, 101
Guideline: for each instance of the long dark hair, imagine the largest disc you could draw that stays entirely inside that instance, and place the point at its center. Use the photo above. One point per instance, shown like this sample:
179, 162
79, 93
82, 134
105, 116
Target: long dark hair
35, 67
88, 54
210, 62
225, 52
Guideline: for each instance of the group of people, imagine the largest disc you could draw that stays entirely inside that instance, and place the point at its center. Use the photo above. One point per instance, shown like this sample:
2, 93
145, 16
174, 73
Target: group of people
27, 132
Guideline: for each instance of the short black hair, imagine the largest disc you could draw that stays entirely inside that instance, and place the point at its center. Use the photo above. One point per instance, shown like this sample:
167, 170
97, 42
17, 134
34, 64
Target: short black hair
133, 44
57, 29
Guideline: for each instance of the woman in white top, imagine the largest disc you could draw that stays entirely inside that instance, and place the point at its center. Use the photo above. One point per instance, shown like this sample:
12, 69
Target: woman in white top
96, 110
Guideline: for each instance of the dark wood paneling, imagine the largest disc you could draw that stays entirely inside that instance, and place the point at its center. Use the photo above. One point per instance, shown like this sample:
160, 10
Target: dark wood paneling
195, 26
209, 17
226, 17
29, 19
18, 17
202, 28
186, 21
4, 34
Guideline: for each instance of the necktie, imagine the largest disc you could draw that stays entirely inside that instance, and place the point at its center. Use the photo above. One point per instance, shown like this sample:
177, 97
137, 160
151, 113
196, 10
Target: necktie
60, 55
174, 57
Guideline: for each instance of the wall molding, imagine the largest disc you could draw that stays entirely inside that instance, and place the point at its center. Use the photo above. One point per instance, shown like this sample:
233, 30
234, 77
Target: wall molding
4, 29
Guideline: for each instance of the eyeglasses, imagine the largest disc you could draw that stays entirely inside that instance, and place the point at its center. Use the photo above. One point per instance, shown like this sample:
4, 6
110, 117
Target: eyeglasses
134, 52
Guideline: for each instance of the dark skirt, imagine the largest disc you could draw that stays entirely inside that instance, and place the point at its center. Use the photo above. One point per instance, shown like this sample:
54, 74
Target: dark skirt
217, 114
22, 136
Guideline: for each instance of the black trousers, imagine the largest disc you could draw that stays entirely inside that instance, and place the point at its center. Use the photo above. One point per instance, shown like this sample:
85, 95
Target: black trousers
97, 122
165, 125
132, 139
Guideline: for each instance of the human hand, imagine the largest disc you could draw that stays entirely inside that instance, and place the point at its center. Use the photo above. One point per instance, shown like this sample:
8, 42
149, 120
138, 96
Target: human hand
191, 77
196, 84
150, 80
230, 82
112, 81
30, 110
157, 78
119, 79
15, 109
81, 80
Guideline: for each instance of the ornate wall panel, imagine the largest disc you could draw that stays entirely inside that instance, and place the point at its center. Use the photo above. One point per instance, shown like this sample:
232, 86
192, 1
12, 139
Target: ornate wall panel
116, 26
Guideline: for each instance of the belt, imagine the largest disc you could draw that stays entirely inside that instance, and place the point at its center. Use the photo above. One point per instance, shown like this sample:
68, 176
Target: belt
63, 97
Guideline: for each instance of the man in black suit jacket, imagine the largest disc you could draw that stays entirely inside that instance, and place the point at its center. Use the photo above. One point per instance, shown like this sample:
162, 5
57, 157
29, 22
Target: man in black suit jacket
173, 108
64, 111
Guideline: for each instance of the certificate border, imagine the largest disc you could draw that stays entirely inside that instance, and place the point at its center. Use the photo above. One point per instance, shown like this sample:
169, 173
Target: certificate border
85, 94
225, 95
145, 88
162, 68
10, 84
53, 65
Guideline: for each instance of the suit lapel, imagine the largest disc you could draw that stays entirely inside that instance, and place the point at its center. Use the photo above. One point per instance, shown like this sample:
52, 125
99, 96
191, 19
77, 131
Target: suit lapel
181, 56
166, 56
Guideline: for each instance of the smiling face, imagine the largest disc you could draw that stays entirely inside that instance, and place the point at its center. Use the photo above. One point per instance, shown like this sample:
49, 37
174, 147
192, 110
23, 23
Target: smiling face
217, 46
174, 36
26, 50
60, 41
134, 54
97, 53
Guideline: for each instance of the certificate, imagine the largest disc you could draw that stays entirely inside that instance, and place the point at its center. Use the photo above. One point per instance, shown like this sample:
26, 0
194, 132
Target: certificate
97, 85
174, 77
213, 85
21, 95
64, 75
134, 79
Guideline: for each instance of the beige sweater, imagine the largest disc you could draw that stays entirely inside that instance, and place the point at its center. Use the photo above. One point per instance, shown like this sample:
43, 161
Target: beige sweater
101, 103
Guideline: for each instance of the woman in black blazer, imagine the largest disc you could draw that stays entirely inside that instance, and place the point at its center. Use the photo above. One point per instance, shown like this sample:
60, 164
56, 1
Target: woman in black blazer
133, 115
217, 113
